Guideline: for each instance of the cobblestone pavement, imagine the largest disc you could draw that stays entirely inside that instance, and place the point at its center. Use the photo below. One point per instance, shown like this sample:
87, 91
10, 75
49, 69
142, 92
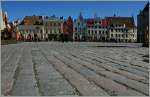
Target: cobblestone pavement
89, 69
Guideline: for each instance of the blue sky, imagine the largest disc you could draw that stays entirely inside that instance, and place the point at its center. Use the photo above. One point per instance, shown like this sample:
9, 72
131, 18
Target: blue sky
19, 9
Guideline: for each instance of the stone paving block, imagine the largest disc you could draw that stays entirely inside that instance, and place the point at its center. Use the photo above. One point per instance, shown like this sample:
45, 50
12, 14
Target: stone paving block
143, 88
74, 68
109, 85
77, 80
113, 69
8, 72
25, 84
50, 81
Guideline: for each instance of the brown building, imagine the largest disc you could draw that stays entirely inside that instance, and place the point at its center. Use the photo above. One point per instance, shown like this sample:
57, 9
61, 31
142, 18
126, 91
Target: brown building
143, 25
68, 29
31, 28
29, 20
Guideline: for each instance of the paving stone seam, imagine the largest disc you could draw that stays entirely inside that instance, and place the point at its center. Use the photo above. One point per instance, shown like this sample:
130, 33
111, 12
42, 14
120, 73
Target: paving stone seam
77, 56
120, 61
84, 75
140, 91
15, 75
37, 83
103, 76
76, 90
122, 68
72, 69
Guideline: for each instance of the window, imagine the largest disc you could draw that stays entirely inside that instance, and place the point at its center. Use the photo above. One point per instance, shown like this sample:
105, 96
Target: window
89, 31
46, 31
78, 24
111, 30
59, 24
111, 35
54, 24
95, 32
103, 32
59, 31
75, 28
92, 31
99, 32
50, 24
106, 32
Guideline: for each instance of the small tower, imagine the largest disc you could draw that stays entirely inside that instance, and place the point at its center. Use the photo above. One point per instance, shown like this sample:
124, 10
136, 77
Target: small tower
114, 15
95, 15
80, 16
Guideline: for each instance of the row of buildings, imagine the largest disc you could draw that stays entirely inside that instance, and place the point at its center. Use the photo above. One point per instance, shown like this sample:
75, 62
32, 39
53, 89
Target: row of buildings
45, 28
52, 28
115, 28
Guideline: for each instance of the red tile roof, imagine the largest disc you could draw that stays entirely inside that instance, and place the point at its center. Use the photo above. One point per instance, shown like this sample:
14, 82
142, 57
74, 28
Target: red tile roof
128, 21
30, 20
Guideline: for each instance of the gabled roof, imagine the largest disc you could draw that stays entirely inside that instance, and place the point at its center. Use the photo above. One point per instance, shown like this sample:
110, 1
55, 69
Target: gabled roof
92, 21
128, 21
146, 8
32, 20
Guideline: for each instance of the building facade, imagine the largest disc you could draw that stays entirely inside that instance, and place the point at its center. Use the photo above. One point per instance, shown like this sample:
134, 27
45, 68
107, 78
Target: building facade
53, 27
97, 29
121, 29
143, 25
80, 29
8, 29
2, 21
41, 28
113, 29
31, 28
67, 30
4, 28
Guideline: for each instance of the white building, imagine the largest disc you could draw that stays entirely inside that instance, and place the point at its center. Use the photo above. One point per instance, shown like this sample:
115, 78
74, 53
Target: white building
97, 29
53, 27
80, 29
41, 28
122, 29
2, 22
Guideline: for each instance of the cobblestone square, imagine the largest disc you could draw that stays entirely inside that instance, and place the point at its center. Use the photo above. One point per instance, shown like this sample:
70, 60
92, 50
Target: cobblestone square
74, 68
